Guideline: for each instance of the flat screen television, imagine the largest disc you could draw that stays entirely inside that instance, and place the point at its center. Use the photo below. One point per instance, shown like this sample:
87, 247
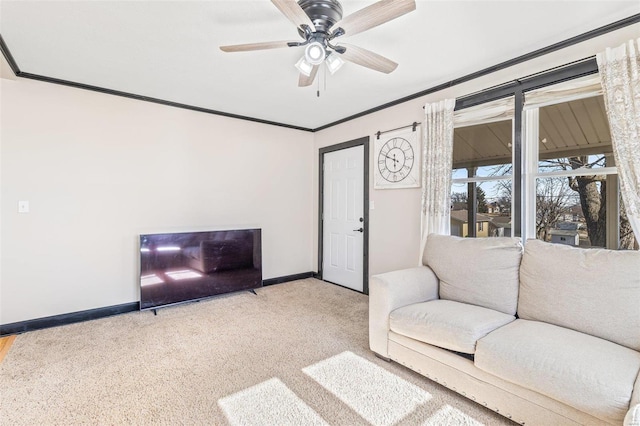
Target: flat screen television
180, 267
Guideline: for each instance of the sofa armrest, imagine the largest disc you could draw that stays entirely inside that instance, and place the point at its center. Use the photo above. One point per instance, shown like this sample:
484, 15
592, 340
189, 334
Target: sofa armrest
393, 290
633, 415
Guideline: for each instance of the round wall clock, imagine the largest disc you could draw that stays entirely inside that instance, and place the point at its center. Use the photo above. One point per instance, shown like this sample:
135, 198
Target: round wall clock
397, 164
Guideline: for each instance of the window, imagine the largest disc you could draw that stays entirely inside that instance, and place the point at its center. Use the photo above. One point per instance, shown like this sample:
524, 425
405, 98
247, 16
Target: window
482, 165
576, 199
556, 181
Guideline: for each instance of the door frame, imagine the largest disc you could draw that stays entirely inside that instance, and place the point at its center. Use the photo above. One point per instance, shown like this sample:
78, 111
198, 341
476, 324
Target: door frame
364, 141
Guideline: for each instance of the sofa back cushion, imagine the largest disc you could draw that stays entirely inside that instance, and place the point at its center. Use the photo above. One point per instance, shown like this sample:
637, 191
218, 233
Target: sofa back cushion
594, 291
478, 271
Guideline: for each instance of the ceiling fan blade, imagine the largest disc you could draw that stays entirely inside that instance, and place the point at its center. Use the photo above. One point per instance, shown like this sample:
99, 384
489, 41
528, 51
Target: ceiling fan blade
254, 46
304, 81
366, 58
292, 10
374, 15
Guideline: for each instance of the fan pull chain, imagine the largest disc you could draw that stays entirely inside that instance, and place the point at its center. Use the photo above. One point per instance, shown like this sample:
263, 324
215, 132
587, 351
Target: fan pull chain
318, 88
324, 73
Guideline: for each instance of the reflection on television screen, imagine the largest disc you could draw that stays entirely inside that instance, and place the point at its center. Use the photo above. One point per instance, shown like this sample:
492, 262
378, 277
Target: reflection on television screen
150, 280
180, 267
184, 274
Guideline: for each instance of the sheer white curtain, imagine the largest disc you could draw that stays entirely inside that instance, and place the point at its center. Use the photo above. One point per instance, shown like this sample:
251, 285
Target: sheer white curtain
620, 74
437, 151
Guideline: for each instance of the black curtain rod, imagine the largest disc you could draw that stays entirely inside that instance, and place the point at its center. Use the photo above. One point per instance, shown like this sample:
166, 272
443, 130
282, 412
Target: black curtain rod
413, 126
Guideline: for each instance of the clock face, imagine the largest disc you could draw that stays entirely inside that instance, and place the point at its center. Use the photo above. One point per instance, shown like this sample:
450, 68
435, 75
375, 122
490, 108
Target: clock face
395, 160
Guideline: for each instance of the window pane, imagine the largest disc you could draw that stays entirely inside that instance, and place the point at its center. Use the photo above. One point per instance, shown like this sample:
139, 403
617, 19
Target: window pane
483, 149
581, 211
574, 134
493, 209
578, 217
559, 216
459, 173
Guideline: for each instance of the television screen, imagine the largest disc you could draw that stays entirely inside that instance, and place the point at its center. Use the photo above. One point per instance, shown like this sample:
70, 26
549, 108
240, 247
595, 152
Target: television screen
187, 266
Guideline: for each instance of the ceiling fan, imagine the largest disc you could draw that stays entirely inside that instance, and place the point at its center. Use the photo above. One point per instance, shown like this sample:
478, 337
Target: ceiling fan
320, 22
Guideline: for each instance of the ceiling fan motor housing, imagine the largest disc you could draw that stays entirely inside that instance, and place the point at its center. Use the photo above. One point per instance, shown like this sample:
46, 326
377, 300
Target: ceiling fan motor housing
323, 13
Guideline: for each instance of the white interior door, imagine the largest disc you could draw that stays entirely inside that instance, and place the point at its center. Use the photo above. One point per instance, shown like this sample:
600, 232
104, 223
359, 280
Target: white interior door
343, 217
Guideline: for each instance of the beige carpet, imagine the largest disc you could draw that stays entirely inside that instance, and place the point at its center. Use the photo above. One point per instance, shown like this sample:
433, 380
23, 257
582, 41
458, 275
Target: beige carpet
297, 353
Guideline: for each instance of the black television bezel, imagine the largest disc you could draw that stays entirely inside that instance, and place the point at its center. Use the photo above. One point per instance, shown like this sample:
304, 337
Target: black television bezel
257, 231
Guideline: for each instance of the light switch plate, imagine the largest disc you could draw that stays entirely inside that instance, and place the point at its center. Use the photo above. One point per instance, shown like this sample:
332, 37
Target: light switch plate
23, 207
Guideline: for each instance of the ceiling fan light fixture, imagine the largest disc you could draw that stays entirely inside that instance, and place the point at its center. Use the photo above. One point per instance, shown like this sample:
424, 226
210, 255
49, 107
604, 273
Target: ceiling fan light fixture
315, 53
304, 67
319, 22
334, 62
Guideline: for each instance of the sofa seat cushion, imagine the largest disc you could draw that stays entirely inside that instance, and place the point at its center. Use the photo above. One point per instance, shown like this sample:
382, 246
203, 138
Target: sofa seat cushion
478, 271
588, 373
447, 324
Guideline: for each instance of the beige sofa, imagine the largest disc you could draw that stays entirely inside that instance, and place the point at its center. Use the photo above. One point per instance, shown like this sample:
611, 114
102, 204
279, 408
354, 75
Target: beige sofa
548, 337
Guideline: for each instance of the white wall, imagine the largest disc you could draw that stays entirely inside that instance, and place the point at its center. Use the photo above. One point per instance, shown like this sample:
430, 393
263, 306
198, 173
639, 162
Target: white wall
394, 224
98, 170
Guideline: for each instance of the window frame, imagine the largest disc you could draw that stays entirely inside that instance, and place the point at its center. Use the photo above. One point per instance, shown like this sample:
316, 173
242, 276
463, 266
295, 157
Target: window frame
517, 89
525, 155
532, 174
499, 110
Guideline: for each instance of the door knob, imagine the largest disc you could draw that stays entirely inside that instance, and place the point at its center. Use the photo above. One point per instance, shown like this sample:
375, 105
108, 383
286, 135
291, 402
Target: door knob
359, 230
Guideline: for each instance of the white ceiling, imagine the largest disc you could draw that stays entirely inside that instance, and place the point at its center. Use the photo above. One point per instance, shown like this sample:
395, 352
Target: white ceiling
169, 49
